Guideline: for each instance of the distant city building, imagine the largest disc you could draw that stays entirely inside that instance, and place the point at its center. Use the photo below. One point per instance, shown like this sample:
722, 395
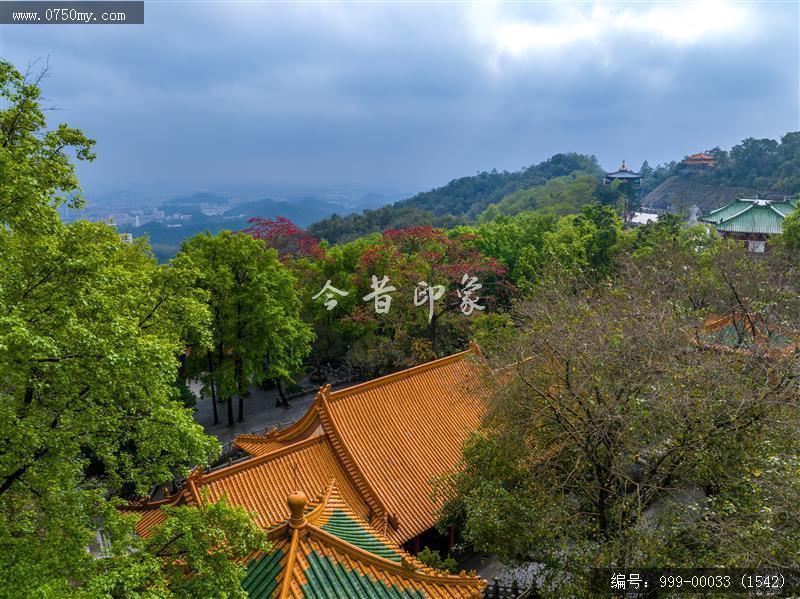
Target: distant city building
751, 221
214, 209
698, 162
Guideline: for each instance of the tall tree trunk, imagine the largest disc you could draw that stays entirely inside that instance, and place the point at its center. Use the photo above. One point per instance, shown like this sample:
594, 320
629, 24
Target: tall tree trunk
433, 331
230, 412
284, 401
240, 387
240, 390
213, 387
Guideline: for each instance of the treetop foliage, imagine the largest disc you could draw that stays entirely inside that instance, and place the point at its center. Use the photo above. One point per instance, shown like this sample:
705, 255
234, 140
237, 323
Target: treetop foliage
617, 437
91, 333
35, 167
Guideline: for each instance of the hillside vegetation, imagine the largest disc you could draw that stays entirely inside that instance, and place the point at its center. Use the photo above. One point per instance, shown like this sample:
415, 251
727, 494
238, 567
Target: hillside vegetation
565, 182
679, 193
459, 201
559, 196
753, 163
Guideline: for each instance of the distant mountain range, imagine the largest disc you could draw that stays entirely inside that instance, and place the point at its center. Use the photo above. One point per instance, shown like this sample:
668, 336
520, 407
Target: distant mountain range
554, 185
189, 215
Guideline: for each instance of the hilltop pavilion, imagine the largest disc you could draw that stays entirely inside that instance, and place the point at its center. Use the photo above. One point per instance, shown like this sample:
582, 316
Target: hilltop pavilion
625, 175
698, 162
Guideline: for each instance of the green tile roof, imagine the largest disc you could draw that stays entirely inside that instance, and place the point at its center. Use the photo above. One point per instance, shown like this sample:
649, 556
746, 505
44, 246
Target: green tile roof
262, 574
348, 529
751, 216
328, 579
328, 552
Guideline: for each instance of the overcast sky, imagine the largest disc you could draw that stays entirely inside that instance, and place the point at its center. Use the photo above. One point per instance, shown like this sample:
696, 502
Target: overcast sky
392, 96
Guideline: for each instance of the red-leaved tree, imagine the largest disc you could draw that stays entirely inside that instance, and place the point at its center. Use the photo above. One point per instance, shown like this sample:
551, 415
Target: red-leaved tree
285, 236
426, 254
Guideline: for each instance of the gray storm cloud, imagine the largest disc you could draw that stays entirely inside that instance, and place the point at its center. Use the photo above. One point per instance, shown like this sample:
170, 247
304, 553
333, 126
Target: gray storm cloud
409, 96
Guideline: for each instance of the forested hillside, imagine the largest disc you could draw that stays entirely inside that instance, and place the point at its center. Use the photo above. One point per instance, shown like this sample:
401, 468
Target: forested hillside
558, 197
753, 163
457, 202
565, 182
680, 193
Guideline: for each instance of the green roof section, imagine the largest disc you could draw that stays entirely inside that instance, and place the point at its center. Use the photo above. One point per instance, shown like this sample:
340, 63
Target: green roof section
328, 579
347, 528
763, 217
262, 574
730, 336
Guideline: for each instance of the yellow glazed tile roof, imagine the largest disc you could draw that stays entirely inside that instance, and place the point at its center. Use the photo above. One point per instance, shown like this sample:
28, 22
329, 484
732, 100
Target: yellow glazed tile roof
260, 484
405, 429
377, 445
393, 435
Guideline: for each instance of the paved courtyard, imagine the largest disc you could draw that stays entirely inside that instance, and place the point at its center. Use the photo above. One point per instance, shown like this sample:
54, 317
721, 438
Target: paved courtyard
260, 413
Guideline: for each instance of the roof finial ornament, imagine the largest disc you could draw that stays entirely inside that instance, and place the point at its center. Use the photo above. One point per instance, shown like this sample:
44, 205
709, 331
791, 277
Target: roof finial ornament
622, 168
297, 502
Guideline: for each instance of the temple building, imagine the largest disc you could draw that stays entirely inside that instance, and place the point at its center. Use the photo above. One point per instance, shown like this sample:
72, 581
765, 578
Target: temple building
367, 455
697, 162
625, 175
751, 221
746, 331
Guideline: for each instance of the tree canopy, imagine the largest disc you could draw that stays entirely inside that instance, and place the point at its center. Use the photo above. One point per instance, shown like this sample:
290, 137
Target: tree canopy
620, 435
456, 203
257, 332
91, 331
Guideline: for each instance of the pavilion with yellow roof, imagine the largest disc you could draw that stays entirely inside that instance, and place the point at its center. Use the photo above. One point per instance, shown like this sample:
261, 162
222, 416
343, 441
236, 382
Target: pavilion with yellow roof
367, 454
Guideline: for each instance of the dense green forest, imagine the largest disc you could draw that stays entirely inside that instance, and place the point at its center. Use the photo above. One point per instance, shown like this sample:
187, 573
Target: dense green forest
764, 164
457, 202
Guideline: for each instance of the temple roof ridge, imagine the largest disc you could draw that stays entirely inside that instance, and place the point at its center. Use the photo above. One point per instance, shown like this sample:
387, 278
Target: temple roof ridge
303, 542
399, 375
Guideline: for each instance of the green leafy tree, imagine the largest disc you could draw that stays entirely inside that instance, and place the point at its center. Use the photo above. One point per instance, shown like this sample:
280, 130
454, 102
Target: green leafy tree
36, 171
256, 326
90, 334
585, 242
432, 558
91, 331
409, 332
559, 196
516, 242
790, 235
417, 260
342, 330
198, 551
623, 439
